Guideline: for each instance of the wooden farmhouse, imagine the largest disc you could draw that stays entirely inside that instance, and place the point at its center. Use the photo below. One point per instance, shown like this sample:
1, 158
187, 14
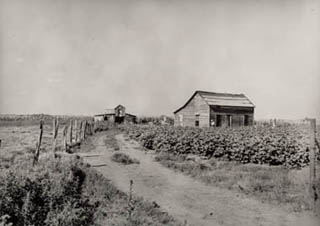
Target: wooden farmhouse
208, 109
117, 115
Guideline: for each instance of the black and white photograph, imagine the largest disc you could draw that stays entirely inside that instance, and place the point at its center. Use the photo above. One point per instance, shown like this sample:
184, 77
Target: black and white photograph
159, 112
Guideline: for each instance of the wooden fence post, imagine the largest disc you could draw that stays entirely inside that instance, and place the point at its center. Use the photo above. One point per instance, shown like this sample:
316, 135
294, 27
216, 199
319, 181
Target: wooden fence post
76, 130
37, 152
80, 131
55, 134
65, 131
95, 126
130, 204
85, 129
91, 128
70, 132
312, 162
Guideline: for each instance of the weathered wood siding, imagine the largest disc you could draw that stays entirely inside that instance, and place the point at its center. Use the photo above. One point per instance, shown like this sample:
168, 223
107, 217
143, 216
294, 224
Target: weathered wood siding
187, 116
109, 118
98, 118
130, 119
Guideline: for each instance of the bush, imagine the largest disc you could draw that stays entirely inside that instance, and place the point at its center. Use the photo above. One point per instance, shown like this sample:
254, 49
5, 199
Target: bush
124, 159
44, 194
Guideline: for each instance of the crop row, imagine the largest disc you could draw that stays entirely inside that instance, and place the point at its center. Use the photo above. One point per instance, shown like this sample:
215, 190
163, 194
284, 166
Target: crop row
283, 145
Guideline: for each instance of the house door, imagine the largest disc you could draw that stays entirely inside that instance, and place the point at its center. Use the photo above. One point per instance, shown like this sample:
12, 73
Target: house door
246, 120
229, 118
119, 120
218, 120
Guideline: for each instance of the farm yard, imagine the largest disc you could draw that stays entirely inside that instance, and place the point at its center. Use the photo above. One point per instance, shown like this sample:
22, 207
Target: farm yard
151, 112
262, 166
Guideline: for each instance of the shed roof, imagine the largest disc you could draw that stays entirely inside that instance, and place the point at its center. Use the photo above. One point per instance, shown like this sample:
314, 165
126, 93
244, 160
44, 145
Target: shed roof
222, 99
109, 111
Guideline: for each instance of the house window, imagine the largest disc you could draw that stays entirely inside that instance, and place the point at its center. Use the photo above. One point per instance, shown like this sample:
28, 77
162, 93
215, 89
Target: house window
196, 123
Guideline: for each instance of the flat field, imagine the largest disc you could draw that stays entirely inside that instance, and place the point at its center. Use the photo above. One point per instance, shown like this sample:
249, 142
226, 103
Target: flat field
20, 142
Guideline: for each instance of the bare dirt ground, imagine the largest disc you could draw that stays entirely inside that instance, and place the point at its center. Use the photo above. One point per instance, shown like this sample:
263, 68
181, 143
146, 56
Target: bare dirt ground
183, 197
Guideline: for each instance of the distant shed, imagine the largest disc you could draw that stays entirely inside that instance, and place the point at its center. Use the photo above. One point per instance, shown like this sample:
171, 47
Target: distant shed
117, 115
209, 109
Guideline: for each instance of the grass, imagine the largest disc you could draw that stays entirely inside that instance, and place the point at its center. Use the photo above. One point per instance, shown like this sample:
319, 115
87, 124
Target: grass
124, 159
21, 140
62, 191
275, 185
68, 192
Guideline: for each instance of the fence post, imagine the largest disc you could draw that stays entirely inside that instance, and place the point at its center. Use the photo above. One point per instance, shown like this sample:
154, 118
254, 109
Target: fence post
80, 131
312, 162
65, 131
55, 134
130, 205
95, 126
37, 152
85, 129
76, 130
89, 128
70, 132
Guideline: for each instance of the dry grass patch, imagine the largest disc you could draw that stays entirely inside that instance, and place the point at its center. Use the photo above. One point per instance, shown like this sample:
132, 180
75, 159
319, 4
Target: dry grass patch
124, 159
272, 184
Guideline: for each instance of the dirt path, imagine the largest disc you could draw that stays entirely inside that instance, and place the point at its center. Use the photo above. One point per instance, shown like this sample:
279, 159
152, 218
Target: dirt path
183, 197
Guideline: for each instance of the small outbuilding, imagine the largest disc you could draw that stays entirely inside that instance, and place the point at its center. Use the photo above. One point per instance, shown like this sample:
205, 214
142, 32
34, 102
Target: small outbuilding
117, 115
209, 109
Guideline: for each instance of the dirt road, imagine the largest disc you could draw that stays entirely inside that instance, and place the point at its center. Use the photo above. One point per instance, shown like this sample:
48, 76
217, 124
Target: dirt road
183, 197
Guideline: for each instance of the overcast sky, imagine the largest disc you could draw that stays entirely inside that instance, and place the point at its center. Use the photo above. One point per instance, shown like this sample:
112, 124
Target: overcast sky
83, 56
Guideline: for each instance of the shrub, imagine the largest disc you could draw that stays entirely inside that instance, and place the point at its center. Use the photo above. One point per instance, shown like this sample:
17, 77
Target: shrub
124, 159
44, 194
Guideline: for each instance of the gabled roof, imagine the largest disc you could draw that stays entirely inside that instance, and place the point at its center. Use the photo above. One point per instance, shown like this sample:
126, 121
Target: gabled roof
131, 115
112, 111
119, 106
104, 114
221, 99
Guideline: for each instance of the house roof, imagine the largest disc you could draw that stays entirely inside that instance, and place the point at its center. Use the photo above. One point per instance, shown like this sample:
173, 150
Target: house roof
221, 99
99, 115
109, 111
112, 111
119, 106
114, 114
131, 115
